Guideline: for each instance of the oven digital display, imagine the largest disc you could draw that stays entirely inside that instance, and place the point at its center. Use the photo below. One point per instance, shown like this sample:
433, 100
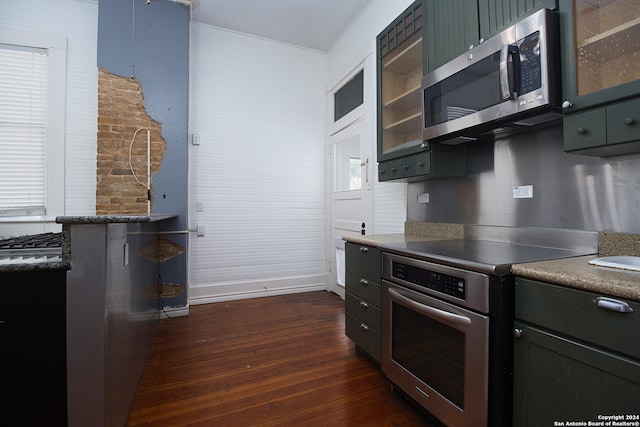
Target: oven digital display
443, 283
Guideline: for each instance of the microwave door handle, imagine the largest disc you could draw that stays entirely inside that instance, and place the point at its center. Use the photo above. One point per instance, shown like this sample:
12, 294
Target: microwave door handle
507, 51
432, 312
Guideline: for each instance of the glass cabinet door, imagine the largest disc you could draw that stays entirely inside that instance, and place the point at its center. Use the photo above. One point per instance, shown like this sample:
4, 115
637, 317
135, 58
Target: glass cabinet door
400, 52
607, 43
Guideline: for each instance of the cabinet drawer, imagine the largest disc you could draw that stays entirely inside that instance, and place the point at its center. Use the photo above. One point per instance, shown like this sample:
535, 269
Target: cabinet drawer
422, 163
364, 289
396, 169
363, 261
365, 337
574, 313
363, 310
623, 122
584, 130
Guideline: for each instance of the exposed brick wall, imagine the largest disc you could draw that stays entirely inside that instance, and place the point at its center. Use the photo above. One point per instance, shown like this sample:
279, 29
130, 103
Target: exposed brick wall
121, 113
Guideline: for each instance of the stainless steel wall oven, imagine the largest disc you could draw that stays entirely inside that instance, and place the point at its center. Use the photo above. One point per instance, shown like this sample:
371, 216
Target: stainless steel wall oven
447, 339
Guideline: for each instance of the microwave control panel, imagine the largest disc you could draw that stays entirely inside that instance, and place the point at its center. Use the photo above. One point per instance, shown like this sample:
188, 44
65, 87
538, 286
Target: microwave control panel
530, 63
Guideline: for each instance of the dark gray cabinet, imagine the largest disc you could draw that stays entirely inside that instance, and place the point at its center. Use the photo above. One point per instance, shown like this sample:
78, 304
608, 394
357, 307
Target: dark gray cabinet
600, 76
573, 360
33, 353
440, 161
363, 298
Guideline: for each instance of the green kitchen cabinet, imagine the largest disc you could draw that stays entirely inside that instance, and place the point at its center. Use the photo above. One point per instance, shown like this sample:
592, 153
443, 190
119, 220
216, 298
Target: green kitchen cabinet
453, 26
400, 70
574, 358
400, 66
363, 298
496, 15
600, 76
441, 161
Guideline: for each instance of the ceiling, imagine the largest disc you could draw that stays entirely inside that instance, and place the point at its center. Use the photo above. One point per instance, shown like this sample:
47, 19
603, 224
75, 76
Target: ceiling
315, 24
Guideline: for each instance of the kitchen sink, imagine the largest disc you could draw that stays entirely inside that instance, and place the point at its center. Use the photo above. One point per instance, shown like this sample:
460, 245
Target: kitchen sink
624, 262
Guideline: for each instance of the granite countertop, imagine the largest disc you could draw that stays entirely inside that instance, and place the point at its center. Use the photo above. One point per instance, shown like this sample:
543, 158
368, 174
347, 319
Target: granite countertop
35, 266
414, 232
577, 273
108, 219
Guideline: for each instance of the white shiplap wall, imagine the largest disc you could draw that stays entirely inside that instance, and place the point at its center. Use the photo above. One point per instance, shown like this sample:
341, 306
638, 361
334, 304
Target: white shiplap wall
77, 20
258, 108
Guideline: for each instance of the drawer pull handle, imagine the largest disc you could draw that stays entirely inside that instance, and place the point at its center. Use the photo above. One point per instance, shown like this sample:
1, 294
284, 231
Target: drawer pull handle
420, 164
628, 121
518, 333
422, 392
364, 249
364, 304
613, 305
364, 327
364, 282
581, 131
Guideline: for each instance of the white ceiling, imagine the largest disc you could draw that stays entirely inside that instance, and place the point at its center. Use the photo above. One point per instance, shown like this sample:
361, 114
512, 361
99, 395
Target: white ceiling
315, 24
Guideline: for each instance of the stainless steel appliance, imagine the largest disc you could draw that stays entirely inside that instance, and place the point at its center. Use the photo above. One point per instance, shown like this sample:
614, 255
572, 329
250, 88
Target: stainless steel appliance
447, 313
507, 84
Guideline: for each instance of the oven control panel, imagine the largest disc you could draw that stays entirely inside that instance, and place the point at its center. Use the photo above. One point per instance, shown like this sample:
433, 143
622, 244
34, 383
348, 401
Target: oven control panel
439, 282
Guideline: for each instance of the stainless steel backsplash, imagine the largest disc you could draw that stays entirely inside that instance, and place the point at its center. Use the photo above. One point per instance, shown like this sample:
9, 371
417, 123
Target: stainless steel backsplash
569, 190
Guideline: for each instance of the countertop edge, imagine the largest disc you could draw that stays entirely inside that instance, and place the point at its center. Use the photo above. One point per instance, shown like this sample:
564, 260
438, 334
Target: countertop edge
36, 266
109, 219
577, 273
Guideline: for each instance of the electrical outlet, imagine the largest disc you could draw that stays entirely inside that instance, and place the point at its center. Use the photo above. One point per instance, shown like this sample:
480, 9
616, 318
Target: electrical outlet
200, 230
195, 139
523, 192
200, 206
423, 198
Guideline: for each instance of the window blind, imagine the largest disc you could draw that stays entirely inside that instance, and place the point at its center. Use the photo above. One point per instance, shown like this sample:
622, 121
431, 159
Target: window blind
23, 130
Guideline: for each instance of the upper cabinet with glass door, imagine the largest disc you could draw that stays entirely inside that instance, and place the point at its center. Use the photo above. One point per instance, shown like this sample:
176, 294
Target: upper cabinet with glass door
601, 76
400, 53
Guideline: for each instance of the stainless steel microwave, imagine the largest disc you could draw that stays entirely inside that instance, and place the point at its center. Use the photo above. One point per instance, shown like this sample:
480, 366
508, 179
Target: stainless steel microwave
507, 84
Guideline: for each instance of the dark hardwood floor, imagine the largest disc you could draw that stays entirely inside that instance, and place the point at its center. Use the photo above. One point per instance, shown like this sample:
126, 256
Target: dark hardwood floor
280, 360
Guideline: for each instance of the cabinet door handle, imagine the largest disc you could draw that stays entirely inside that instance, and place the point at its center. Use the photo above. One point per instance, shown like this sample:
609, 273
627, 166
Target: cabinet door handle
517, 333
406, 166
364, 249
420, 164
364, 304
393, 169
613, 305
364, 327
364, 282
628, 121
581, 131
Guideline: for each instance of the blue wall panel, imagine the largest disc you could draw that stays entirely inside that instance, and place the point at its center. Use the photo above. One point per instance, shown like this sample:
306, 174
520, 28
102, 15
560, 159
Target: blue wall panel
156, 51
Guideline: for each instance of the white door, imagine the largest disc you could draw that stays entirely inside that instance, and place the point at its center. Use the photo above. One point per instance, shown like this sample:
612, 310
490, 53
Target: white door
351, 154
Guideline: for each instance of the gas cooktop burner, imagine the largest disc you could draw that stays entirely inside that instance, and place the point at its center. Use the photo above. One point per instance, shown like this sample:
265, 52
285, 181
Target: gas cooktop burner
479, 255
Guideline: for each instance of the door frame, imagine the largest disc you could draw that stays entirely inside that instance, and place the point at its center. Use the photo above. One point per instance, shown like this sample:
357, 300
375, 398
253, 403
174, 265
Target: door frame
359, 121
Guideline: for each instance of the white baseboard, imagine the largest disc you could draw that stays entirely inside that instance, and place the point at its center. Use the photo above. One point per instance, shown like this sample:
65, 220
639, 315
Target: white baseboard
170, 312
233, 291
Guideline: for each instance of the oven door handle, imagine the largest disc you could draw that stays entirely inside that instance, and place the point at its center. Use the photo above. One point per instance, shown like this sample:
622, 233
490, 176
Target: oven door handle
429, 311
